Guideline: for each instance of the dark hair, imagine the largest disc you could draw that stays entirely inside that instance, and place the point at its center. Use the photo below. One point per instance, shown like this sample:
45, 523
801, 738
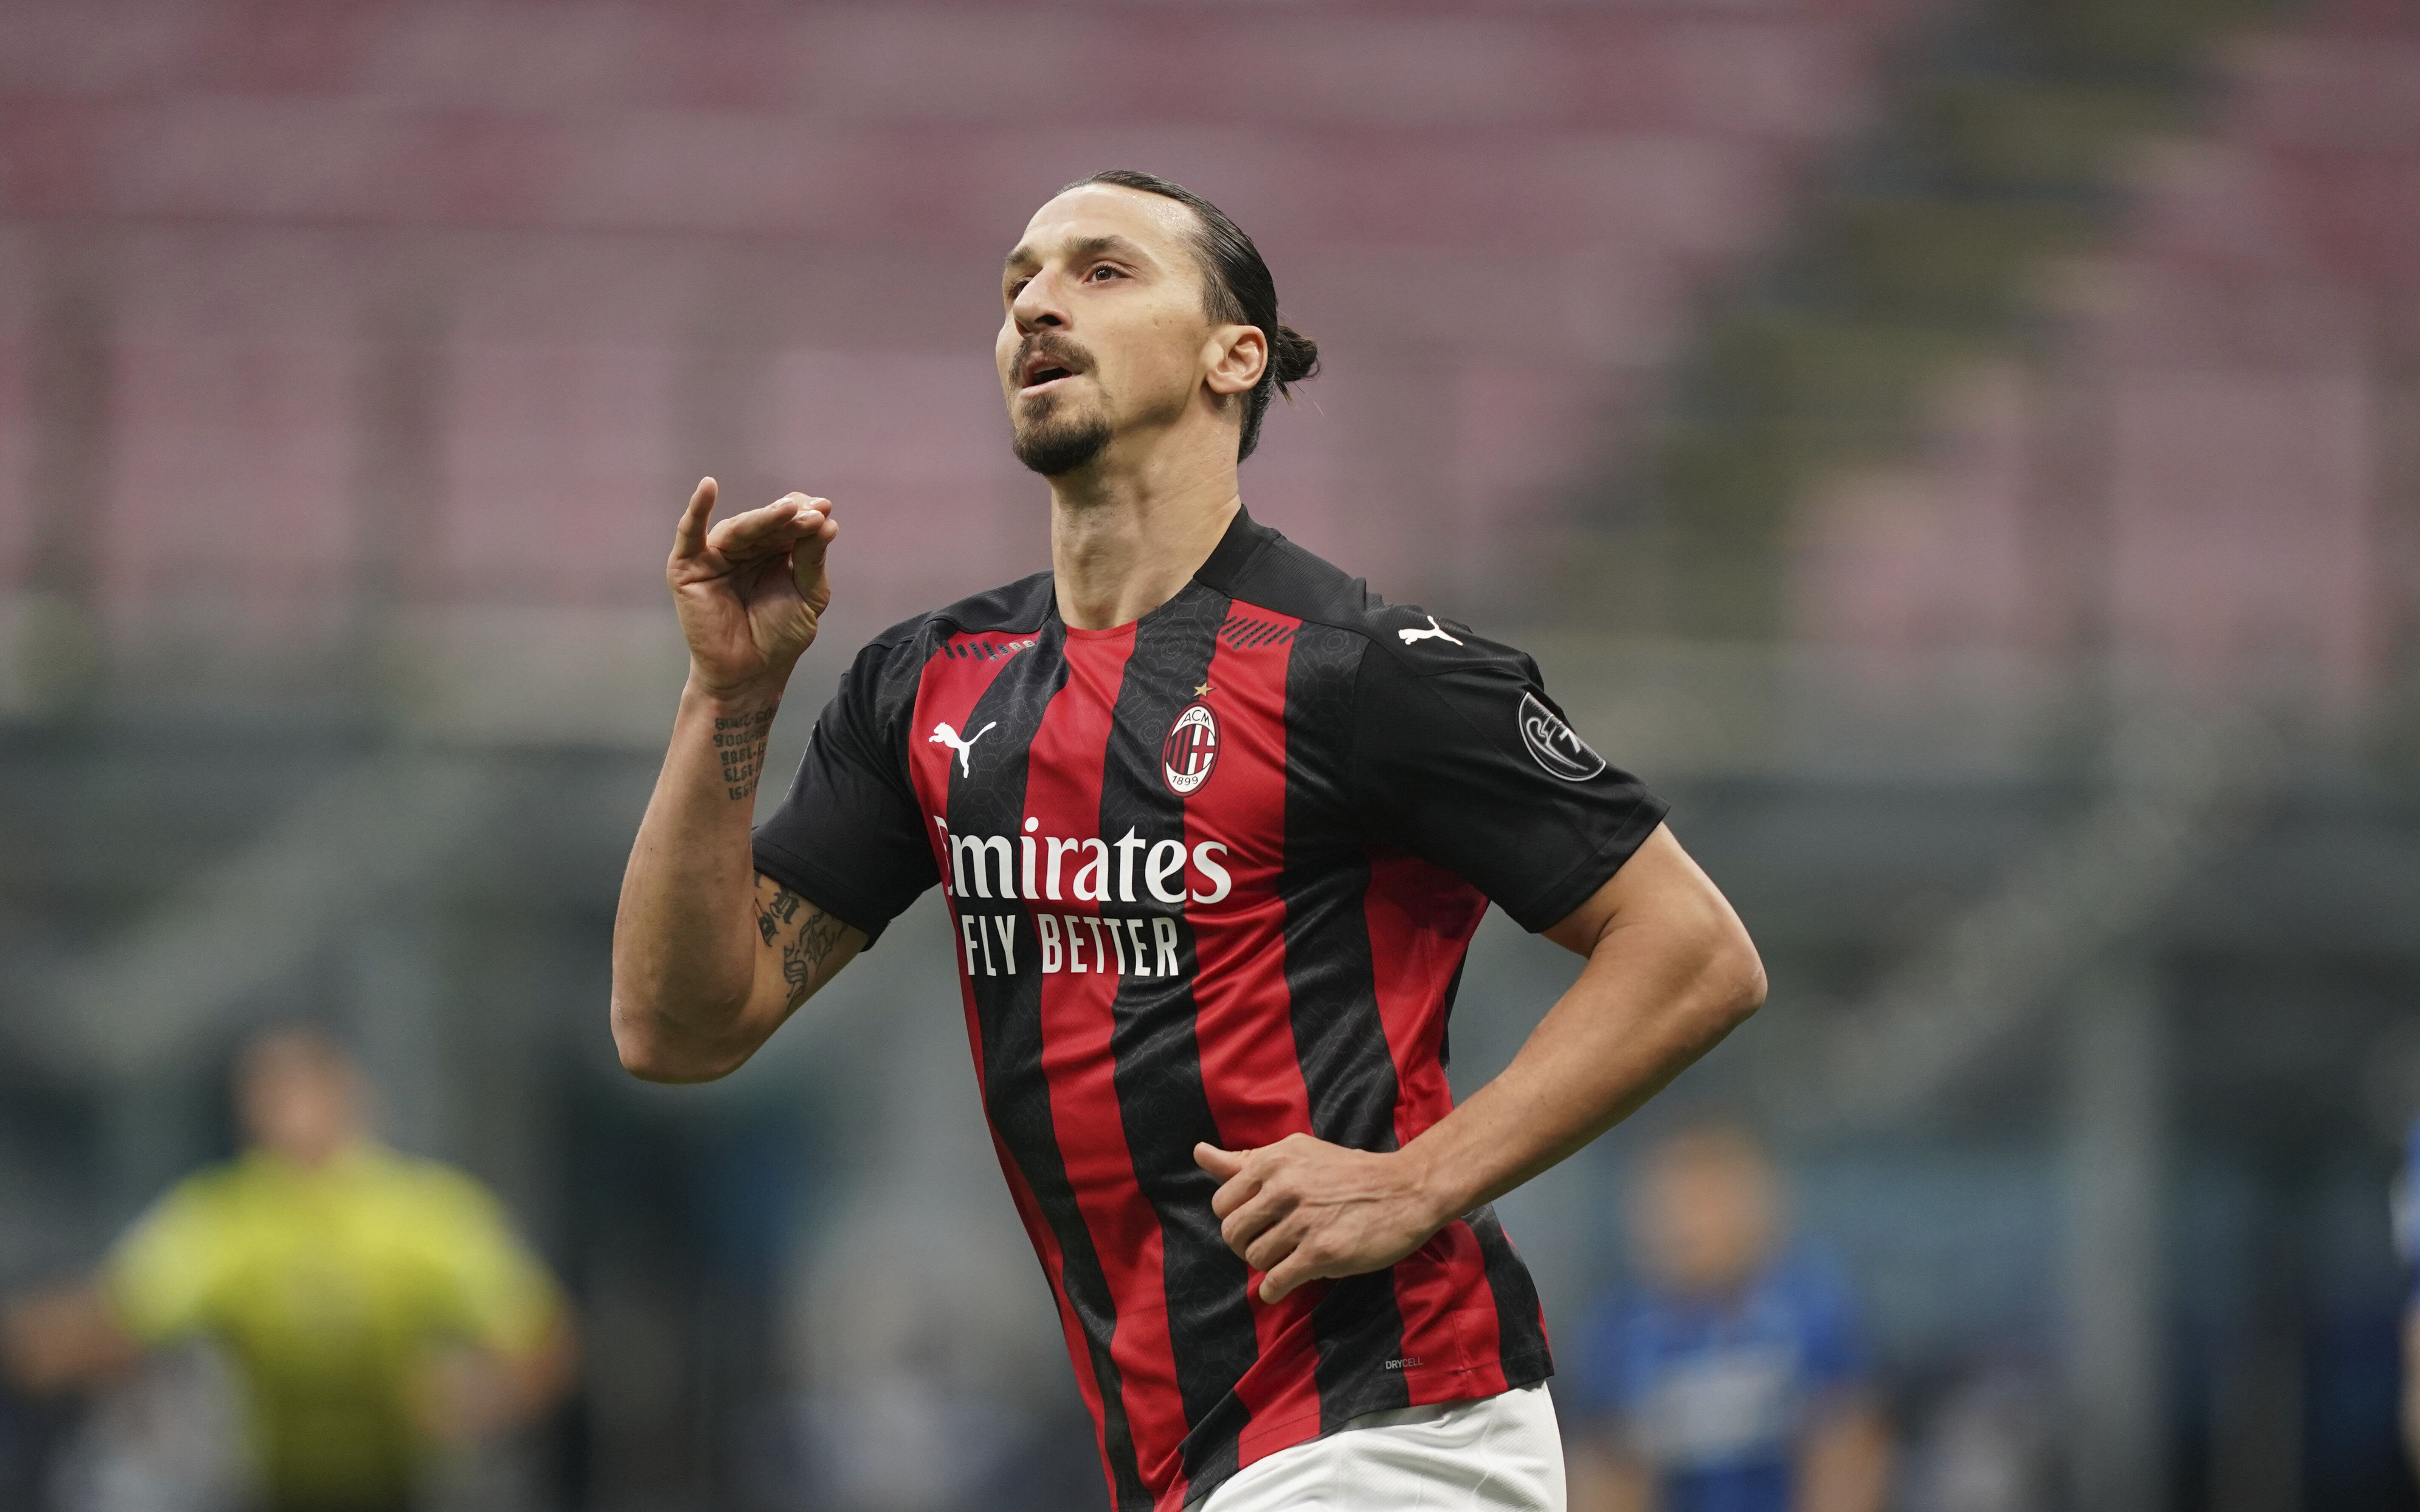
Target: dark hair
1237, 290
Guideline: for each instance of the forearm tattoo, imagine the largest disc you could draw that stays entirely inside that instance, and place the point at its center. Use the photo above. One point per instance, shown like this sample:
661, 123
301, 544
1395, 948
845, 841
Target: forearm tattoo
806, 932
739, 741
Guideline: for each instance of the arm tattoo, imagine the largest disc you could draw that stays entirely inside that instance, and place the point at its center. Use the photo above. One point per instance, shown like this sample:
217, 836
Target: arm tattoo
739, 741
807, 934
774, 913
802, 956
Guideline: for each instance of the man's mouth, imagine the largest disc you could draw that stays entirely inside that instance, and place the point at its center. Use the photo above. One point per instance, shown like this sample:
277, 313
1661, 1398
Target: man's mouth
1042, 370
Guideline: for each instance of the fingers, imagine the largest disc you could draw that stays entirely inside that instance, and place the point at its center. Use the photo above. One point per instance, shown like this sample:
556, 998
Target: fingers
1236, 1190
774, 528
809, 550
1222, 1163
807, 559
688, 536
1246, 1224
1290, 1273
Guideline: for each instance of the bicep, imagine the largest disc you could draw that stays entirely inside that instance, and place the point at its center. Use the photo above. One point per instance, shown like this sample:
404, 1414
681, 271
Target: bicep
800, 947
1659, 882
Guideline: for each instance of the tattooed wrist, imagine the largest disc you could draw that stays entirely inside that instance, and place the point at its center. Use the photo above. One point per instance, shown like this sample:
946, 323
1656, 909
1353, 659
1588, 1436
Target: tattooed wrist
739, 741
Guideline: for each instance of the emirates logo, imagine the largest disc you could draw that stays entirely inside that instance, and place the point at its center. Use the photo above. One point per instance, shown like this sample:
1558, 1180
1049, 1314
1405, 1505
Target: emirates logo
1190, 750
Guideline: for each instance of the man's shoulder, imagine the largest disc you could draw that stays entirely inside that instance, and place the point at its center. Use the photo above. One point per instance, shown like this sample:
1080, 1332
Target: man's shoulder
214, 1194
1280, 575
444, 1193
1019, 606
1258, 567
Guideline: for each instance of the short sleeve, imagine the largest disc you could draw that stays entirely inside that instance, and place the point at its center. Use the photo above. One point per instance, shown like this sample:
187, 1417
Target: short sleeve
848, 837
489, 1288
164, 1277
1464, 761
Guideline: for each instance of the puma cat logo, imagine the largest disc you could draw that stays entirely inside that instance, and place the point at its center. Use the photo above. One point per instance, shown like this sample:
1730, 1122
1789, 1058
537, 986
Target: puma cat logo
943, 735
1435, 632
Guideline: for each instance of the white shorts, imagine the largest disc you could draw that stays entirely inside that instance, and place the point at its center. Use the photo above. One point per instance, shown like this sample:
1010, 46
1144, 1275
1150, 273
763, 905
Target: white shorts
1500, 1454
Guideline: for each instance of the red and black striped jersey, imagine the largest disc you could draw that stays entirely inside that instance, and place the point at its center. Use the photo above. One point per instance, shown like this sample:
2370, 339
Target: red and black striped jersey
1212, 876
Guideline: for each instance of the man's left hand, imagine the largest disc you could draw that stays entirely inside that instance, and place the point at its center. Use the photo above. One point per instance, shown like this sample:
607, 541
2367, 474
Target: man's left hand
1303, 1209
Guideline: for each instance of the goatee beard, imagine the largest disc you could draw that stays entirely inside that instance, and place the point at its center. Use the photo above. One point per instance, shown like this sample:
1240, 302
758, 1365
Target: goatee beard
1056, 447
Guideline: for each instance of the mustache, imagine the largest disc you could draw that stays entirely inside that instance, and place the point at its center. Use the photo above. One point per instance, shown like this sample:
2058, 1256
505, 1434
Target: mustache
1063, 350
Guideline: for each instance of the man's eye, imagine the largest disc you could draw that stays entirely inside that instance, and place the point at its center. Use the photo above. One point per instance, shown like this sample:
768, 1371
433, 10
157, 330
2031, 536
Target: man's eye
1097, 273
1019, 287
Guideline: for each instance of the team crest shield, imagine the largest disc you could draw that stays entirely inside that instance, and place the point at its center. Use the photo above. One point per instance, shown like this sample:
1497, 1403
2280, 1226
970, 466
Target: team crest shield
1190, 750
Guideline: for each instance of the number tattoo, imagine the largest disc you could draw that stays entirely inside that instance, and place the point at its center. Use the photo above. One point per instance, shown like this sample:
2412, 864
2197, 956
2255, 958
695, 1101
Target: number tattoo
739, 741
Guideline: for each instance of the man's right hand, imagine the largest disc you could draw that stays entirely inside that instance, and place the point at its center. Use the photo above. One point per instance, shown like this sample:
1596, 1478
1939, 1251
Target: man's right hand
751, 589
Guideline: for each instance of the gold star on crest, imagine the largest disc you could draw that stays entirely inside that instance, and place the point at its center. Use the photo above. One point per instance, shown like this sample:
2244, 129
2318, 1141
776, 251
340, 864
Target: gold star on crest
1202, 692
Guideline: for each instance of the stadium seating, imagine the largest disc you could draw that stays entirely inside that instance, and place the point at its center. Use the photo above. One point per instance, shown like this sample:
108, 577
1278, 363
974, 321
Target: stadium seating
448, 303
2193, 457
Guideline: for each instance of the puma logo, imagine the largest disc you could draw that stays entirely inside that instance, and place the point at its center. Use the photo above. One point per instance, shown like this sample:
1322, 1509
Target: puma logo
1435, 632
943, 735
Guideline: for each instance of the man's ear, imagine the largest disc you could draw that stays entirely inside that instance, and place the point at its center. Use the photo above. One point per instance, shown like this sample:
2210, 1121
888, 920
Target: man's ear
1238, 355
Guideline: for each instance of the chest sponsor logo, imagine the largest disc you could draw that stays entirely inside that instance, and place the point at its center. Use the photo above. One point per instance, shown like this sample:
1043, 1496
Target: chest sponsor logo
1556, 746
1190, 750
1092, 874
1106, 945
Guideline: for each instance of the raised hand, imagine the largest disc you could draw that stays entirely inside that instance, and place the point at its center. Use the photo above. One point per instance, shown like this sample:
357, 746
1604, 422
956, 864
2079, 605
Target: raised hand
750, 591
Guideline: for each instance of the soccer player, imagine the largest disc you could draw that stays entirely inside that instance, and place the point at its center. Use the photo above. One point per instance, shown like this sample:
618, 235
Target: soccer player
1215, 825
371, 1304
1734, 1379
2404, 1198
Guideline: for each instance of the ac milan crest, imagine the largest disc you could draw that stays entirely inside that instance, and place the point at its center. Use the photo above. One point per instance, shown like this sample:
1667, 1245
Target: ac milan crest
1190, 750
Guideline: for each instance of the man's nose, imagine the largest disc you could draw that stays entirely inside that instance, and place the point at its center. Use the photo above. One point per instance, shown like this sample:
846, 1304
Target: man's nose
1037, 307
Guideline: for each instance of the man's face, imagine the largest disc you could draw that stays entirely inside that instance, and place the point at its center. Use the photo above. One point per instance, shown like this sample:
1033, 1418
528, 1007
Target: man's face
299, 1097
1707, 1214
1106, 331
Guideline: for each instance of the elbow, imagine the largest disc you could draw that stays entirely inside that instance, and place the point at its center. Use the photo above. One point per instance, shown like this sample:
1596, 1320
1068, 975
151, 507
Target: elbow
1748, 991
1731, 975
652, 1052
1739, 972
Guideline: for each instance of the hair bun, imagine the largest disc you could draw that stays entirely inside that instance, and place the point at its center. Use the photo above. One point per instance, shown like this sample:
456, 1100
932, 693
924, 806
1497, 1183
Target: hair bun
1293, 356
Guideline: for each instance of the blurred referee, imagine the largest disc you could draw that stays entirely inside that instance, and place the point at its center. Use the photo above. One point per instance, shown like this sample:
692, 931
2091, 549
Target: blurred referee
372, 1304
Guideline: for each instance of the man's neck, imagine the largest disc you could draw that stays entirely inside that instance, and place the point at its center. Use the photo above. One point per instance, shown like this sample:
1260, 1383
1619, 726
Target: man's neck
1128, 532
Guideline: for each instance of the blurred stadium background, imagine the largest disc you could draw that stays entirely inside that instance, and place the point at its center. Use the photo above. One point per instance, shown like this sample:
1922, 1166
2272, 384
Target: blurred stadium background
1966, 452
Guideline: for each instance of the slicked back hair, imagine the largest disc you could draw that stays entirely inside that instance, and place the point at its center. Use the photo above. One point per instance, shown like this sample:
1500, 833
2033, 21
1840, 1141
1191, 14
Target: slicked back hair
1239, 291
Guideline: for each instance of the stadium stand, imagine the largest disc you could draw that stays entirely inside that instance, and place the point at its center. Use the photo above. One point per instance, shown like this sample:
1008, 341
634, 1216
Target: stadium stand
578, 257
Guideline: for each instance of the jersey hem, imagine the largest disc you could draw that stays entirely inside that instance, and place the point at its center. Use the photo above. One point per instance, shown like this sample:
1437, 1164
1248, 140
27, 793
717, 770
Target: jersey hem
1374, 1394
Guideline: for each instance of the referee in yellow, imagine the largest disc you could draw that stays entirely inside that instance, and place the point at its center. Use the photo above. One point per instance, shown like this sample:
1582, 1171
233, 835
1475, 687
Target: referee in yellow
373, 1304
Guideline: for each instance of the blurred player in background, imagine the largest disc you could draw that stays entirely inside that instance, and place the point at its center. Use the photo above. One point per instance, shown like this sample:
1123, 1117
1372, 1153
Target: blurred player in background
2406, 1217
373, 1305
1733, 1379
1216, 824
